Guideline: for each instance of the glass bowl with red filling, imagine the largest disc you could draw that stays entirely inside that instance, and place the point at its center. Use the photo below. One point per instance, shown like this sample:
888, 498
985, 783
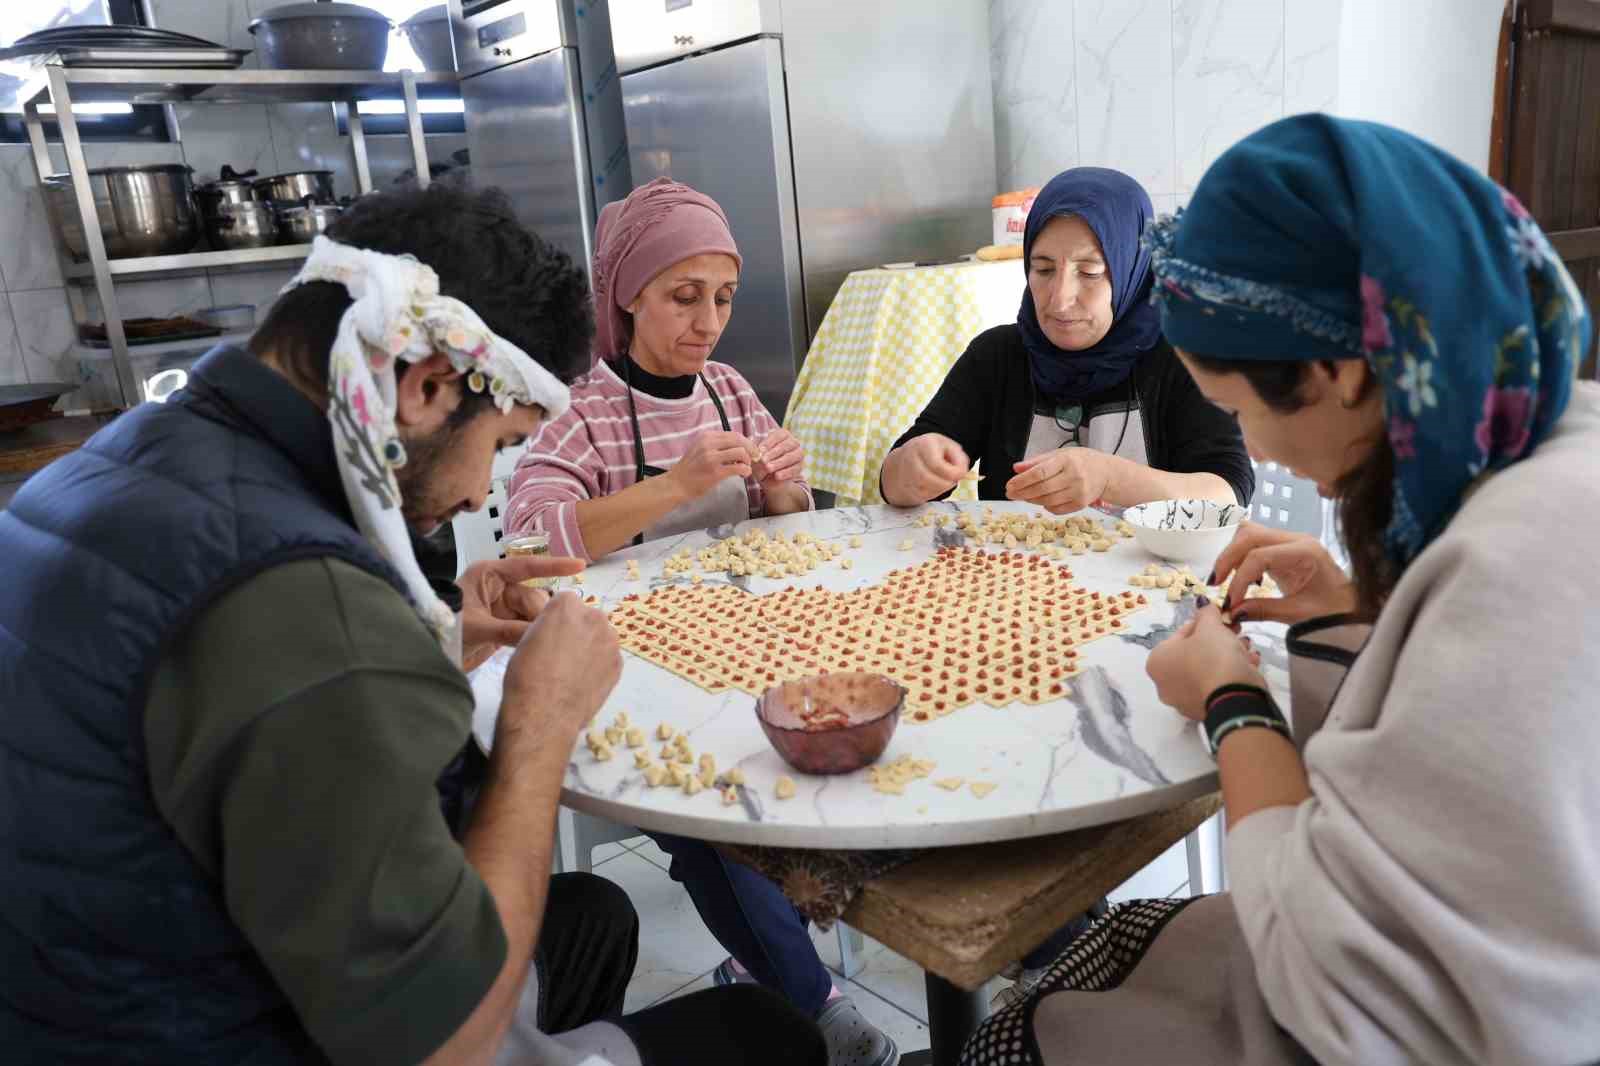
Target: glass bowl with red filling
832, 723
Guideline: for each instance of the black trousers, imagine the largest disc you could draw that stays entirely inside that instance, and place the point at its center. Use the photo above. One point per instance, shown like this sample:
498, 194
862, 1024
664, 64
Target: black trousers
588, 946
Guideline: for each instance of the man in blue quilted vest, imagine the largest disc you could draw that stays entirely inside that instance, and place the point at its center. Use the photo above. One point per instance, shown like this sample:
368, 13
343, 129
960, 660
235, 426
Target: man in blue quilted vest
228, 695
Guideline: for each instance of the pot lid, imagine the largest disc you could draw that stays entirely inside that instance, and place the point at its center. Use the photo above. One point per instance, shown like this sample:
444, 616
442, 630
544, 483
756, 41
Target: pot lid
154, 168
436, 13
320, 10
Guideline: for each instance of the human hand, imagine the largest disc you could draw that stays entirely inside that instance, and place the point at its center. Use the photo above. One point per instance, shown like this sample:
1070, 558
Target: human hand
781, 459
713, 457
561, 673
1061, 481
929, 466
496, 607
1312, 584
1200, 658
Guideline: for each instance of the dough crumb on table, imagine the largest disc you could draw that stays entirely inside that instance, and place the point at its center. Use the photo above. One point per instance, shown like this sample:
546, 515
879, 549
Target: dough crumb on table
784, 789
982, 788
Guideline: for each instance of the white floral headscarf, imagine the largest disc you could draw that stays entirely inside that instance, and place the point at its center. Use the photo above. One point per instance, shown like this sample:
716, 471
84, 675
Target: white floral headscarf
398, 313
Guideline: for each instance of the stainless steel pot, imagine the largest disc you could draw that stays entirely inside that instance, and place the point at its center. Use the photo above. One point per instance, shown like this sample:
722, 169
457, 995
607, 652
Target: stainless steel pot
285, 190
429, 33
302, 224
216, 194
322, 36
143, 210
242, 225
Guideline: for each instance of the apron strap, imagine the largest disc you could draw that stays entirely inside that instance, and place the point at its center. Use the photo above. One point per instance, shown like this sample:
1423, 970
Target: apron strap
640, 470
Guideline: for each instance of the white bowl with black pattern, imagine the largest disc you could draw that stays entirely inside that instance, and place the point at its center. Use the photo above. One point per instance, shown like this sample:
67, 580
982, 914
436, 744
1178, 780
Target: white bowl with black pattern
1186, 531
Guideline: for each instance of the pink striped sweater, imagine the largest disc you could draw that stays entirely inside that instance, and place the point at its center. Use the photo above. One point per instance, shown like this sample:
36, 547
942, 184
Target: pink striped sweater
587, 453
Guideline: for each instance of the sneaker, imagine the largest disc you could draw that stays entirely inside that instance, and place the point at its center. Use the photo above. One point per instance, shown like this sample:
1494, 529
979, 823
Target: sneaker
851, 1039
725, 975
1022, 982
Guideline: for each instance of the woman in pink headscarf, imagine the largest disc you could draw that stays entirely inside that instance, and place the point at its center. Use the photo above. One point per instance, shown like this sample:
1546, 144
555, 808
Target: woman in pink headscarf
659, 439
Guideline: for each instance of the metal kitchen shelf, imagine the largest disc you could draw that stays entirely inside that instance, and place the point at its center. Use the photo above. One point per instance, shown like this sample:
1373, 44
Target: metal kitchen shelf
157, 350
67, 87
185, 262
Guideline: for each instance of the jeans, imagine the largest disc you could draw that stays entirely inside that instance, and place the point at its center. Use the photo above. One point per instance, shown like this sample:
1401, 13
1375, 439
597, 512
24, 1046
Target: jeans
753, 920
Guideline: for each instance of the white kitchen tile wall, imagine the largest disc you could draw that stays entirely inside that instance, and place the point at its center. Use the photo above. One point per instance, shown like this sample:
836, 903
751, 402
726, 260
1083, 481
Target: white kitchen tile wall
1156, 88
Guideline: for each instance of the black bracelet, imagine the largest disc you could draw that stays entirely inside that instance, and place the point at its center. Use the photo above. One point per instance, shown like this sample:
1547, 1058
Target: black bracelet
1241, 706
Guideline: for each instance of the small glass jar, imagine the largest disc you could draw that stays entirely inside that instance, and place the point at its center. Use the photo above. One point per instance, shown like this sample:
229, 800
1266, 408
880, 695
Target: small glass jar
531, 544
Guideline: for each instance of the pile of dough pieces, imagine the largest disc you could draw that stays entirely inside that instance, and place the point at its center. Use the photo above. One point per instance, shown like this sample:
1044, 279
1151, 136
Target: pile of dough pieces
755, 554
1181, 581
678, 767
1052, 537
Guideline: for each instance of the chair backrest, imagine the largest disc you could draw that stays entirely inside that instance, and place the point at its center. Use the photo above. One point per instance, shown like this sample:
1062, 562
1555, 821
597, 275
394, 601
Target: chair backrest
1286, 501
479, 533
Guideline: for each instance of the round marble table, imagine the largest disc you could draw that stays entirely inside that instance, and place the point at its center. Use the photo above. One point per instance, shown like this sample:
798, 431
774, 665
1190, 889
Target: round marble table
1107, 751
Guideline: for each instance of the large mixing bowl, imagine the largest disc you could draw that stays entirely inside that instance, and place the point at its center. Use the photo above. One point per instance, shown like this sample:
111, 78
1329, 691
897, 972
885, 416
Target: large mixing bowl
429, 33
322, 36
143, 210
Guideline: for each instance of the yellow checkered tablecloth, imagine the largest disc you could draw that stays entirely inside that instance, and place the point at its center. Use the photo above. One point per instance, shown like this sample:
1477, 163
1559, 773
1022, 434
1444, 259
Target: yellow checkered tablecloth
889, 339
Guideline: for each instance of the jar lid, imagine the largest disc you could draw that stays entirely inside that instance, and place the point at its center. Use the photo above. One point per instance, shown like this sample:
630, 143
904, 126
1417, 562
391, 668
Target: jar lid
1020, 198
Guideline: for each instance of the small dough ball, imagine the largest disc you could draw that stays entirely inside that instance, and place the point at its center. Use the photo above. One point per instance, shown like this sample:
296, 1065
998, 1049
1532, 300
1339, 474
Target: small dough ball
664, 731
785, 787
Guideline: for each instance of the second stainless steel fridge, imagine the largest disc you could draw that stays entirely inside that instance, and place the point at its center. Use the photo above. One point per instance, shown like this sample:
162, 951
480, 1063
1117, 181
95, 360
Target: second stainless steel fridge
835, 135
543, 111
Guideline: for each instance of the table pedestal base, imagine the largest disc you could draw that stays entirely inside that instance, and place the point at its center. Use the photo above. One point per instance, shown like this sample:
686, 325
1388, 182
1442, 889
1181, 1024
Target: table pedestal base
954, 1014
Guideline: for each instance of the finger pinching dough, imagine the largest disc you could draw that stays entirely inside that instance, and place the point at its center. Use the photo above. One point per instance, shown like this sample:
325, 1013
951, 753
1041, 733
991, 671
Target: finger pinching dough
967, 626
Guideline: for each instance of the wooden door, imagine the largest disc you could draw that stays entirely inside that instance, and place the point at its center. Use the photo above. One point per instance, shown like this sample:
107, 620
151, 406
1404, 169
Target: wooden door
1545, 145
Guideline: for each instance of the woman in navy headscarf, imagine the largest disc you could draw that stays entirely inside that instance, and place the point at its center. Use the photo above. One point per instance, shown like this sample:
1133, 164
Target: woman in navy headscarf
1081, 401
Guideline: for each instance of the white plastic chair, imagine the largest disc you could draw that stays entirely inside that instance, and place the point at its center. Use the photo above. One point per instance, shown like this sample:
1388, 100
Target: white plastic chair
479, 535
1286, 501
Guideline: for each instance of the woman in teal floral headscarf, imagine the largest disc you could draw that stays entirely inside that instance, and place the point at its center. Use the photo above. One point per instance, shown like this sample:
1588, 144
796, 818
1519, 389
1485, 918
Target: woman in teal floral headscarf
1412, 864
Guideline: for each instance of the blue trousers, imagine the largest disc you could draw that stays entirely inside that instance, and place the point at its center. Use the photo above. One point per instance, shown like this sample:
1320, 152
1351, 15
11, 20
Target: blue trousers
753, 920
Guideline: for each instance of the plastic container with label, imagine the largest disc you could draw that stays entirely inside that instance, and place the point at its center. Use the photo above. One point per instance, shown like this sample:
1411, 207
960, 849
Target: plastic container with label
1011, 215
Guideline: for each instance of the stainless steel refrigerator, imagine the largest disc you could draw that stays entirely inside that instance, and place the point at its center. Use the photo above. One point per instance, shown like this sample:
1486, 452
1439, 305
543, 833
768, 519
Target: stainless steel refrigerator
837, 135
544, 111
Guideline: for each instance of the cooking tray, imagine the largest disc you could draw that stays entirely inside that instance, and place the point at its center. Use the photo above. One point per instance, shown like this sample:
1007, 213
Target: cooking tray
23, 405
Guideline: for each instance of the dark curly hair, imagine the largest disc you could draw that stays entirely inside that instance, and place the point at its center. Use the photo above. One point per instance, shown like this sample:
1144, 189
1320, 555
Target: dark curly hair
1365, 494
524, 289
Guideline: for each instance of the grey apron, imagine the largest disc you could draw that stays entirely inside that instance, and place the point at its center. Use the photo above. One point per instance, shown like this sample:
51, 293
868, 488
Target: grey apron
726, 504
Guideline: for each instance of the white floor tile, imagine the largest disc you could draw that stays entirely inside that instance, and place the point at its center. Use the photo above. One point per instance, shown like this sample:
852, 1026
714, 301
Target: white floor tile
698, 985
674, 947
606, 852
1158, 880
907, 1032
650, 851
893, 977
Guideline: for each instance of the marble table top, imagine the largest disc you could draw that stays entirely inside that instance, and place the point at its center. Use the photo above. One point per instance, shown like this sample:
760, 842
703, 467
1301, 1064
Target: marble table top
1109, 750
